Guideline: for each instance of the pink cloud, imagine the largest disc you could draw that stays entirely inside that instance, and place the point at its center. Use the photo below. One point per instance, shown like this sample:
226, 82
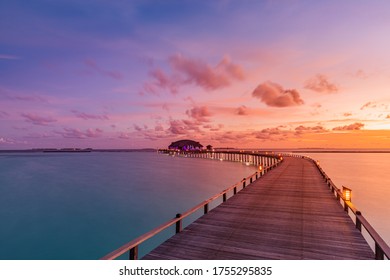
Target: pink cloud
177, 127
200, 114
38, 120
360, 74
108, 73
138, 128
159, 127
274, 95
124, 135
354, 126
163, 81
242, 110
320, 83
193, 71
373, 105
181, 127
86, 116
213, 128
9, 141
204, 75
77, 133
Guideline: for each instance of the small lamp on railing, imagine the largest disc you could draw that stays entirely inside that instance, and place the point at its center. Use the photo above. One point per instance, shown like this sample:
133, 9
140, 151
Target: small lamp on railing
260, 168
347, 193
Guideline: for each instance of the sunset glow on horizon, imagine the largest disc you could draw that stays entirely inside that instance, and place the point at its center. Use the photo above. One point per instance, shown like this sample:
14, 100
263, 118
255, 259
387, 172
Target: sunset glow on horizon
243, 74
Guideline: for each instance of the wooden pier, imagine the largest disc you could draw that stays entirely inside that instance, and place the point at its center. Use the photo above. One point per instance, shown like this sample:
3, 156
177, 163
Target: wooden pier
292, 212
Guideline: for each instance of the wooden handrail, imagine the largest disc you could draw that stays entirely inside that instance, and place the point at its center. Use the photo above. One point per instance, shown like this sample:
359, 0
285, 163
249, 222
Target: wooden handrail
132, 246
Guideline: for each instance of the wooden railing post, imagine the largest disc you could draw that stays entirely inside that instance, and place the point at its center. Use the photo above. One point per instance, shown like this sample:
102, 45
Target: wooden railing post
133, 253
206, 208
244, 183
358, 222
179, 223
345, 206
224, 197
250, 180
379, 255
234, 190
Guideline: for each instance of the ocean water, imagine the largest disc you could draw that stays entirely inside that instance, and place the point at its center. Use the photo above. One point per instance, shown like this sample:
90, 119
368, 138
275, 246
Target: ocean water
85, 205
368, 175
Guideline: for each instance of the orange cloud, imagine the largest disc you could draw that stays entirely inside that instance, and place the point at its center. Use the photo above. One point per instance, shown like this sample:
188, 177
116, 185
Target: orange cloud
310, 129
274, 95
354, 126
320, 83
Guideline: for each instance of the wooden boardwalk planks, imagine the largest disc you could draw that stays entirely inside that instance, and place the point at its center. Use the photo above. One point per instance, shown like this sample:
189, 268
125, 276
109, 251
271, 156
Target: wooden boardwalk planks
287, 214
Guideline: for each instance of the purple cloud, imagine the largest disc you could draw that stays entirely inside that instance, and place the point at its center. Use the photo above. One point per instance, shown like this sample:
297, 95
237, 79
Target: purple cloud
86, 116
77, 133
38, 120
108, 73
3, 114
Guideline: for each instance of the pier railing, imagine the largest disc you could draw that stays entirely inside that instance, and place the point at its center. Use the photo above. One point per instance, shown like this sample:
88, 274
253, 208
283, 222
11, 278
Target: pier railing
381, 248
132, 247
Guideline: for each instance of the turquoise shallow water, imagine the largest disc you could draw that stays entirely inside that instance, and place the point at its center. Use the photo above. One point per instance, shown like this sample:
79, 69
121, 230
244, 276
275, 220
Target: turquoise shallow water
84, 205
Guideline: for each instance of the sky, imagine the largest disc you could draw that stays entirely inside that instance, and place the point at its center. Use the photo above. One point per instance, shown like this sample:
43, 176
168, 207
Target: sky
243, 74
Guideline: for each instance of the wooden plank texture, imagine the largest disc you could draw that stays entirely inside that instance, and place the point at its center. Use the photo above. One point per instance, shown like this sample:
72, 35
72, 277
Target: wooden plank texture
287, 214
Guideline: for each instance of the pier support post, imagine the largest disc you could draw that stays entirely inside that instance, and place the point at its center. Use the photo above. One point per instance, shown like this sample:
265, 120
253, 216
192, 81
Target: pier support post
224, 197
244, 183
179, 223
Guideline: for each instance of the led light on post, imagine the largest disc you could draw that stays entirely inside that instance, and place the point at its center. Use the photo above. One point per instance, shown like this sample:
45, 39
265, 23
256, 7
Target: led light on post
347, 193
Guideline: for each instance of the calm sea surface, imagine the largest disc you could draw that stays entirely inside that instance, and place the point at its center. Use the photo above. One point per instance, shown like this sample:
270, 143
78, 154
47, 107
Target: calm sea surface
84, 205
